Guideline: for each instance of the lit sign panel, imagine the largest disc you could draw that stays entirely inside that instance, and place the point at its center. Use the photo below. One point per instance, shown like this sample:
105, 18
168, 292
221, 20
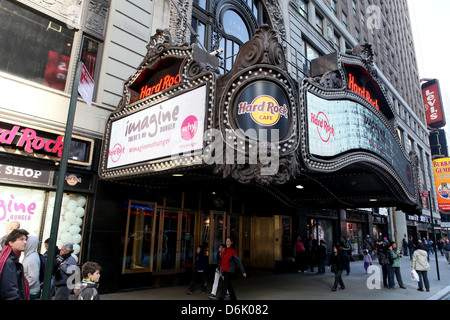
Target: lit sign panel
433, 104
169, 128
442, 182
263, 105
339, 126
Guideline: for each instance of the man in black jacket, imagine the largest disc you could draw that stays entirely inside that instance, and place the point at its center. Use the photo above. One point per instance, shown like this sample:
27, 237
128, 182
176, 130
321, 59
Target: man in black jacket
13, 285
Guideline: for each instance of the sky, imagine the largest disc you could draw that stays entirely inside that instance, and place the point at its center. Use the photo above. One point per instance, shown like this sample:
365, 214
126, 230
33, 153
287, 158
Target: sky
430, 23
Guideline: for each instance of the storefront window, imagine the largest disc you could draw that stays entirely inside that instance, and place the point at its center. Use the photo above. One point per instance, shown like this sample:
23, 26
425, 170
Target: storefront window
138, 236
355, 236
22, 205
71, 221
34, 47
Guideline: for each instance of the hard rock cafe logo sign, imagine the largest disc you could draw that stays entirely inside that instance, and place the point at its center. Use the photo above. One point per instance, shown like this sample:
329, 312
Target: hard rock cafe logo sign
263, 107
324, 128
264, 110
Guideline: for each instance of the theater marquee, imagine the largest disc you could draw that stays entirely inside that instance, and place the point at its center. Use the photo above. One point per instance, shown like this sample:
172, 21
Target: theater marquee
167, 104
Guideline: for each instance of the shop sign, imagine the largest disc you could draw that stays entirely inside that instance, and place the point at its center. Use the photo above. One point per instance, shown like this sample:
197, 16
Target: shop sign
28, 140
340, 126
169, 128
24, 174
31, 142
433, 104
263, 105
441, 169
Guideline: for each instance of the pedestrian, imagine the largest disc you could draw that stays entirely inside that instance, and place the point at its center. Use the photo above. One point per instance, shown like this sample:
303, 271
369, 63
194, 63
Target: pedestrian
405, 246
367, 259
200, 271
229, 260
32, 266
310, 249
368, 244
447, 250
13, 283
300, 255
411, 247
389, 263
421, 265
66, 263
88, 290
347, 251
440, 246
12, 225
322, 254
55, 263
217, 274
397, 255
338, 265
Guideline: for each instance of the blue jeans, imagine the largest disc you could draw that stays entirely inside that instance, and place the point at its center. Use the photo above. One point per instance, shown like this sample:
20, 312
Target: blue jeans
423, 279
389, 275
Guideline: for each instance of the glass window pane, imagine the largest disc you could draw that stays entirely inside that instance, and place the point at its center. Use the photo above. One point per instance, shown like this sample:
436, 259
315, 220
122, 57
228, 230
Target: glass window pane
169, 245
73, 208
218, 233
187, 240
139, 235
89, 54
22, 205
235, 26
34, 47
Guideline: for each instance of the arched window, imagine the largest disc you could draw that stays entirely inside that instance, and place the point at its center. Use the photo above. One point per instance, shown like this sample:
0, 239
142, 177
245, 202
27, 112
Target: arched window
227, 25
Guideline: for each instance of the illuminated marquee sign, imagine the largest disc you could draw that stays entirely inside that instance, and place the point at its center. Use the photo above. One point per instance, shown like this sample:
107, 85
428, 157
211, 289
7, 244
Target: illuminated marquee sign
169, 128
337, 127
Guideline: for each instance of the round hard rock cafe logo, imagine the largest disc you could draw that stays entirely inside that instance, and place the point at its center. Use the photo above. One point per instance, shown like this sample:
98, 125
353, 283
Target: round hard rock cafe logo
263, 105
264, 110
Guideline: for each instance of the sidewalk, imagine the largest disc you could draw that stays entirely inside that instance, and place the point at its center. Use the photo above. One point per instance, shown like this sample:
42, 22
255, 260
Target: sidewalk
312, 286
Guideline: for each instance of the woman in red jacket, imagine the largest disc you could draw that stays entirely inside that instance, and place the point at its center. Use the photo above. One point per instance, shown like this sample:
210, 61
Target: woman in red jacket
227, 267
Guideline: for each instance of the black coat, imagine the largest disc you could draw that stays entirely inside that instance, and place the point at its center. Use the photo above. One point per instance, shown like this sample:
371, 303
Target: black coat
338, 260
12, 282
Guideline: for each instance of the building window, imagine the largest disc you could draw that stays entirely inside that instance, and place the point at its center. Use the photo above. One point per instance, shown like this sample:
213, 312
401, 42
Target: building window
34, 47
334, 6
227, 26
319, 24
344, 20
303, 8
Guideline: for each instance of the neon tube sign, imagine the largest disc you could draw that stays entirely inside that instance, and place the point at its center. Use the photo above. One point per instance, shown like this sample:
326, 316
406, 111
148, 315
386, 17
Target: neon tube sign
165, 83
363, 92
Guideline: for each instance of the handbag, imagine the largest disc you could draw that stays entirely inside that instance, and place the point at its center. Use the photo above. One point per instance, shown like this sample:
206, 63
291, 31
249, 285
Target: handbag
414, 275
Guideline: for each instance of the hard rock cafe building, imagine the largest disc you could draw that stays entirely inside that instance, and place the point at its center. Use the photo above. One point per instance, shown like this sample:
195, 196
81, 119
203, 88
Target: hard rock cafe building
191, 156
201, 147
